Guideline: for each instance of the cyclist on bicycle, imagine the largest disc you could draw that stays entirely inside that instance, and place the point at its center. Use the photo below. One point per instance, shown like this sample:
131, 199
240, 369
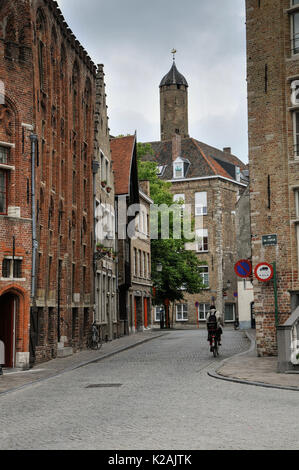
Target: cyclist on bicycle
216, 317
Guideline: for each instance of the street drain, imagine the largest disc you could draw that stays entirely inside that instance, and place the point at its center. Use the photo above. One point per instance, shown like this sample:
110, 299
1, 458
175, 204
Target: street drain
104, 386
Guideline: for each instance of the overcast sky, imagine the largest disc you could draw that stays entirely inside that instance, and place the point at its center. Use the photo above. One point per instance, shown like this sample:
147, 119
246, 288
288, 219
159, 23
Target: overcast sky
134, 39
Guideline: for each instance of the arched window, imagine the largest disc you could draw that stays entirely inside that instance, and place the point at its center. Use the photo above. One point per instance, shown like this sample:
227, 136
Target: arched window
10, 35
41, 44
86, 108
75, 93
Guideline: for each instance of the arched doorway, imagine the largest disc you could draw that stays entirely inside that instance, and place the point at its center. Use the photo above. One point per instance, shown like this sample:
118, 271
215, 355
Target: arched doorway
8, 315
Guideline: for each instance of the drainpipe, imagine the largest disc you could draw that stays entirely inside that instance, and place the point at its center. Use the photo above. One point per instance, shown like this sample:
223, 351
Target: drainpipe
95, 169
33, 138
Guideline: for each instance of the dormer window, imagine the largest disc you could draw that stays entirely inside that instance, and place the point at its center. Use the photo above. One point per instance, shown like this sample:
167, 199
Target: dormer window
180, 168
161, 170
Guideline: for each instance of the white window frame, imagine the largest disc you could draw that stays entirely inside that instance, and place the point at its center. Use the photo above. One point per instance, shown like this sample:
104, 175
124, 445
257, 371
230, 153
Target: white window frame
292, 18
205, 308
11, 269
201, 234
296, 145
296, 194
158, 318
178, 163
199, 208
183, 308
205, 275
234, 312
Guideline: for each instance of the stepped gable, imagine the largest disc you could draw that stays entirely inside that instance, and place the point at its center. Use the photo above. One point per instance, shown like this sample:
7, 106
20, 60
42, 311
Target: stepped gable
69, 35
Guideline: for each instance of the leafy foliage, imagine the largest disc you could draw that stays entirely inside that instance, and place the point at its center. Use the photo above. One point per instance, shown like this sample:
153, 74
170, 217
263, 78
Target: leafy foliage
180, 267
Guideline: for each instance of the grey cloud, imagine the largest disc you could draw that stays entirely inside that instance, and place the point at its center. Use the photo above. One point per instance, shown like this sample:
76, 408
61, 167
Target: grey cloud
133, 38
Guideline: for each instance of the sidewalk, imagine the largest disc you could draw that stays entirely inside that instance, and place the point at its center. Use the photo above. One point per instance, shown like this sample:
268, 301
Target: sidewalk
249, 369
15, 380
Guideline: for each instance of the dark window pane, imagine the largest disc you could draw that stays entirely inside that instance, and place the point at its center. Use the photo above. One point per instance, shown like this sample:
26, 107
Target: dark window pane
17, 269
6, 268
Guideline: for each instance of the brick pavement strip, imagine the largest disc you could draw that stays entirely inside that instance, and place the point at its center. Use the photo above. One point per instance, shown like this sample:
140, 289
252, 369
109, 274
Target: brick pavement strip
13, 381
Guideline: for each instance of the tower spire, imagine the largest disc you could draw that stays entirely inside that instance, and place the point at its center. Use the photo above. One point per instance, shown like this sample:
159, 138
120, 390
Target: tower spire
174, 51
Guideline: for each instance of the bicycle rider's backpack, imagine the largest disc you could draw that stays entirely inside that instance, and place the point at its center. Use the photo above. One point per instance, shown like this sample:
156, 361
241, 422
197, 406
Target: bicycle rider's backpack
213, 318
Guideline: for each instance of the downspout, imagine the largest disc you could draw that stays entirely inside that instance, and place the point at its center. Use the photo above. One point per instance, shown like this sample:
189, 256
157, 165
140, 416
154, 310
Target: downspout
33, 138
95, 169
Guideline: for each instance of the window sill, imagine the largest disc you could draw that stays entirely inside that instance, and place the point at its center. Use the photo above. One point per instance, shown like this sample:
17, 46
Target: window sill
12, 279
292, 9
181, 321
3, 166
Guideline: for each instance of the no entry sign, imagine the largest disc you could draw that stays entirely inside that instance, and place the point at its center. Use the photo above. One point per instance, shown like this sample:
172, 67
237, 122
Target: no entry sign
264, 272
243, 268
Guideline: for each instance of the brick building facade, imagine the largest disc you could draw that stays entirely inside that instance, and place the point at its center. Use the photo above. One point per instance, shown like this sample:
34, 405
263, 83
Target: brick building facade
106, 288
49, 87
273, 105
208, 180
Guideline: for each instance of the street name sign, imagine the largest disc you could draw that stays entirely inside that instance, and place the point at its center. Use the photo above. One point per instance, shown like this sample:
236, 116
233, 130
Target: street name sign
264, 272
243, 268
269, 240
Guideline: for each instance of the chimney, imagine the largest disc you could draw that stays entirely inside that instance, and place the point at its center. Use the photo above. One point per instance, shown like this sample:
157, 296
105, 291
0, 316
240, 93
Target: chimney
227, 150
176, 146
145, 187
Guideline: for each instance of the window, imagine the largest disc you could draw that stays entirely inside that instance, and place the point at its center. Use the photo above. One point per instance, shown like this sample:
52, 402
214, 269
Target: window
229, 315
182, 312
202, 237
295, 32
3, 192
159, 312
204, 271
4, 152
296, 133
201, 203
297, 203
161, 170
12, 269
178, 170
203, 311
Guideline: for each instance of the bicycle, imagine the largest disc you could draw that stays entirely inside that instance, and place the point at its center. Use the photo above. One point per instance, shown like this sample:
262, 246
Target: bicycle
213, 339
94, 340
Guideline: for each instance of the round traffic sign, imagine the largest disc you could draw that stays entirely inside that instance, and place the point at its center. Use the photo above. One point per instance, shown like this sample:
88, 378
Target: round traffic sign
243, 268
264, 272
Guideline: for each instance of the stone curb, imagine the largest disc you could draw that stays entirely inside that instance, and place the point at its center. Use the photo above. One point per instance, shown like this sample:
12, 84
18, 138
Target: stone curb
83, 364
218, 376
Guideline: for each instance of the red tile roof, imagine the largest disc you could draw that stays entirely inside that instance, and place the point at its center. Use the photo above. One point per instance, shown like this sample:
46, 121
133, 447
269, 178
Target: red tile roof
122, 149
217, 169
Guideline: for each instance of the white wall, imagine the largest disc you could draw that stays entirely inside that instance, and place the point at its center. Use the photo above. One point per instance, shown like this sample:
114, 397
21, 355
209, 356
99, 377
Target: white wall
245, 298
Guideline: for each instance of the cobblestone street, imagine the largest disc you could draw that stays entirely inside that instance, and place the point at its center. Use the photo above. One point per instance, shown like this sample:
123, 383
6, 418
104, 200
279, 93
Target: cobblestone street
160, 398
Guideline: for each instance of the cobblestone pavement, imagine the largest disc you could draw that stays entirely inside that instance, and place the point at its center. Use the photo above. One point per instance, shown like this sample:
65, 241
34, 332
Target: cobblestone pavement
162, 398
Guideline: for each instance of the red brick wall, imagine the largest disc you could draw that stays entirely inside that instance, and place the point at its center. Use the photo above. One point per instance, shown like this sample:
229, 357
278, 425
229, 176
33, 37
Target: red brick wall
50, 81
272, 163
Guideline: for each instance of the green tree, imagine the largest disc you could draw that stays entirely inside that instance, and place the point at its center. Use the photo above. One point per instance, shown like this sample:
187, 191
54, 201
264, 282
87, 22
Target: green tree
180, 267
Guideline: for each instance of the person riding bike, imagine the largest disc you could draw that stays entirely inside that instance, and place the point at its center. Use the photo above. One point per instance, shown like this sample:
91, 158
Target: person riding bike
215, 317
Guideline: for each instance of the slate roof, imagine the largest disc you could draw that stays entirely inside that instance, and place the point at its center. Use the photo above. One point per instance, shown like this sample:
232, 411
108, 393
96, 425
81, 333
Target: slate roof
174, 77
122, 150
204, 159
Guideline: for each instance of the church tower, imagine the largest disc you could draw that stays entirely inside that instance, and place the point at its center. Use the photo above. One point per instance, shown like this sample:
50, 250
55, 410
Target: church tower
174, 104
